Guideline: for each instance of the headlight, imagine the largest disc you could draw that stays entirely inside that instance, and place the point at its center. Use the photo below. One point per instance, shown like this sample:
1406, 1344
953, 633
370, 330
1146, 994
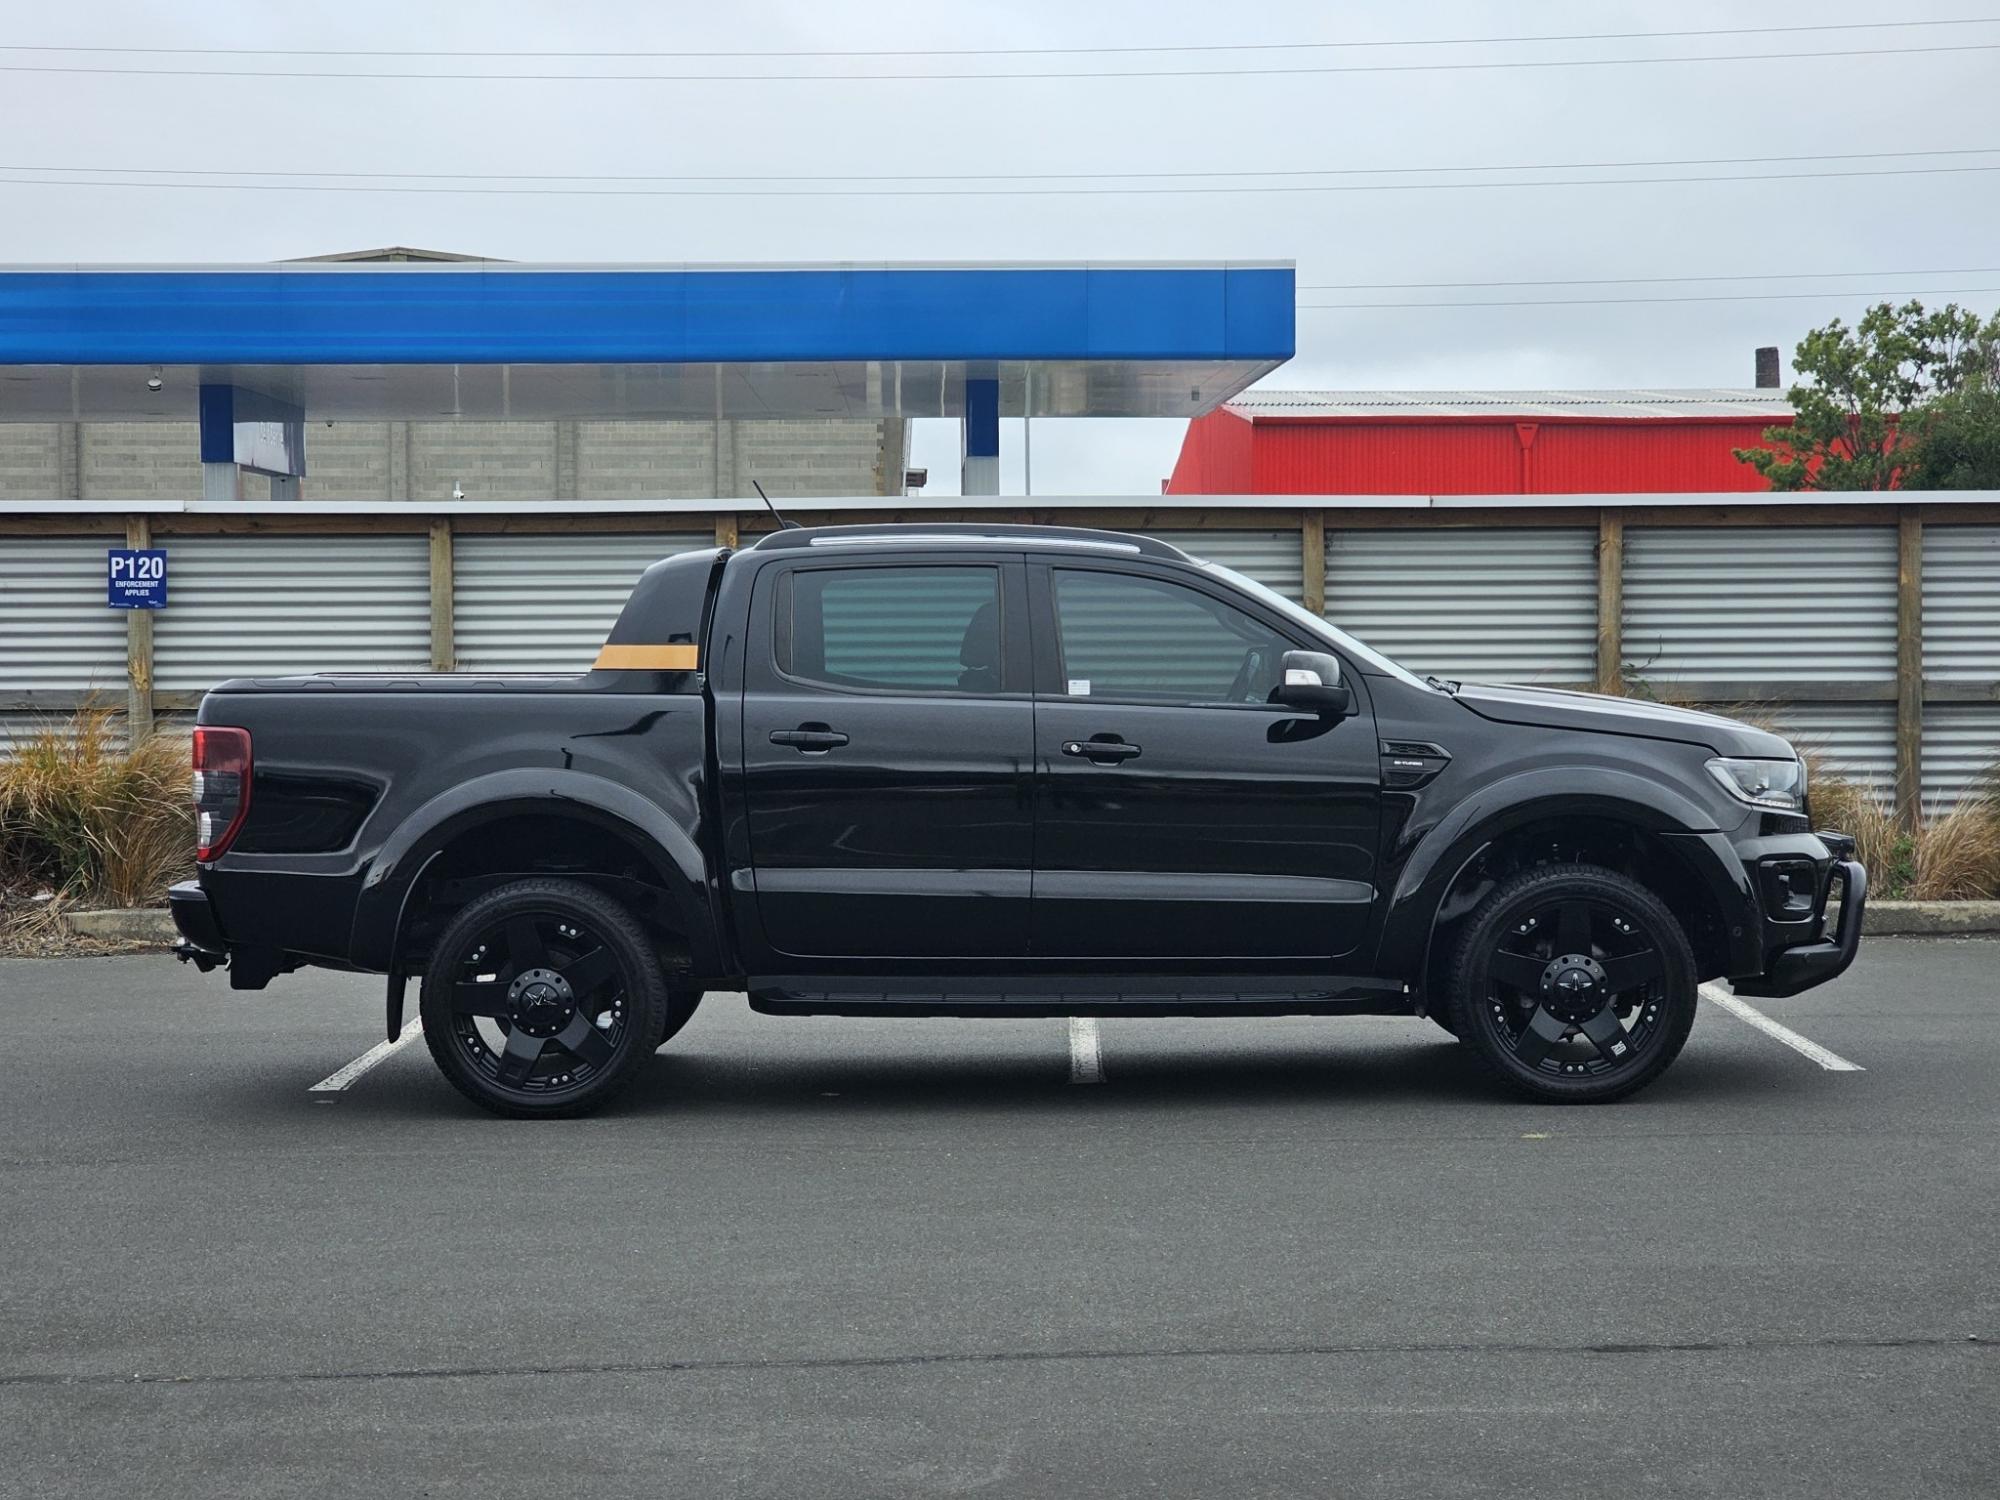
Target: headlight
1776, 784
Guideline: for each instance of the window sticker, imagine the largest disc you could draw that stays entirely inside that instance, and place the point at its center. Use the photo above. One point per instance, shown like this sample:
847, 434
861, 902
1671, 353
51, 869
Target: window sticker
1079, 687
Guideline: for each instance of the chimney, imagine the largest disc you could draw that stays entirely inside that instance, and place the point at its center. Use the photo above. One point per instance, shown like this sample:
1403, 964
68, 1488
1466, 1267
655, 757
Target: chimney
1767, 368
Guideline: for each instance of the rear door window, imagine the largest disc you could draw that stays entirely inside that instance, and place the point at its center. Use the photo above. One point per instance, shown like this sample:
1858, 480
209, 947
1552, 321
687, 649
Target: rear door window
891, 629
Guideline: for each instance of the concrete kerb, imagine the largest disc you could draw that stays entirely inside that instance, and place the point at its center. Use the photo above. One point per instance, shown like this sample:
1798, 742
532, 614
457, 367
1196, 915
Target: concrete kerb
1930, 918
1885, 919
139, 924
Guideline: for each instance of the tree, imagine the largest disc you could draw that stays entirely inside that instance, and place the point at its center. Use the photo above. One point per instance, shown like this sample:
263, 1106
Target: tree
1960, 448
1873, 393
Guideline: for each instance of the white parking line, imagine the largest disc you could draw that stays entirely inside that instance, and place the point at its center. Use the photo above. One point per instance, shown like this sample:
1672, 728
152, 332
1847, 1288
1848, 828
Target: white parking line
1833, 1062
333, 1083
1086, 1055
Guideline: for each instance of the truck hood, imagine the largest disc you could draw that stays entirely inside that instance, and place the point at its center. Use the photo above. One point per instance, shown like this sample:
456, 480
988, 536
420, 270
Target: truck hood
1598, 713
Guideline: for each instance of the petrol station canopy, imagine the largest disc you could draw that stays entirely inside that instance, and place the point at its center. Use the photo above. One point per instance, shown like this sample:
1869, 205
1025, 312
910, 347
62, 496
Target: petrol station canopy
495, 340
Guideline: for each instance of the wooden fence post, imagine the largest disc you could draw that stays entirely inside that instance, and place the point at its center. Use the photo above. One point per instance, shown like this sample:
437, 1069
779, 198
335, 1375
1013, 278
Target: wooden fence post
1312, 553
444, 645
138, 648
725, 531
1909, 665
1610, 601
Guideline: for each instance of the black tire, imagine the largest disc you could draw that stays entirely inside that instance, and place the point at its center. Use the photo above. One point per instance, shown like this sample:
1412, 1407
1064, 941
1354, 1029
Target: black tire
543, 998
681, 1006
1555, 959
1444, 1021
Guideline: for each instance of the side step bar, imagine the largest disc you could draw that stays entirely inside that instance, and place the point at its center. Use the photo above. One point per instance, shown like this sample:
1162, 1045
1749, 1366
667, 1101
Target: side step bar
1078, 995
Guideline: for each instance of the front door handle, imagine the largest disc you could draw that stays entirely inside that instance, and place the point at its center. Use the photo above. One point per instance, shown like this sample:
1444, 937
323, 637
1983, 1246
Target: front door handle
1100, 752
809, 739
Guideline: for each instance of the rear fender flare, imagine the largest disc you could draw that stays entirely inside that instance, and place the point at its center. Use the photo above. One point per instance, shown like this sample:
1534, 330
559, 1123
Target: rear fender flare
667, 847
1410, 918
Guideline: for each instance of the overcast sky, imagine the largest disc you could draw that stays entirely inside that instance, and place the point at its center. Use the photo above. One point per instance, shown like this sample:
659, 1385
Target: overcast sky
1899, 222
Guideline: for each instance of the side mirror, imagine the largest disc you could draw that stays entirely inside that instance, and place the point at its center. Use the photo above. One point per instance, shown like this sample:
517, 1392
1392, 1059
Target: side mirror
1312, 682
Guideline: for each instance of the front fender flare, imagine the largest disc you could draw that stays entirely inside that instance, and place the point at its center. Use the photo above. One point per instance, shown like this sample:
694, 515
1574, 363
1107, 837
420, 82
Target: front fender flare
668, 848
1444, 851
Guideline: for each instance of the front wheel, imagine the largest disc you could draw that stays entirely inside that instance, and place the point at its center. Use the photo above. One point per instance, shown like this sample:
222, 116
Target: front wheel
543, 998
1573, 984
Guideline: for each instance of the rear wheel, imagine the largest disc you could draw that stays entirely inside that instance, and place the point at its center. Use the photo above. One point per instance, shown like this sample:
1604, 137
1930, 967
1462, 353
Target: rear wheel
1574, 984
542, 998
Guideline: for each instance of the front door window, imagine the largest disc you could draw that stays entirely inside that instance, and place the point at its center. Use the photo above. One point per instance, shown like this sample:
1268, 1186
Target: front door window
1144, 640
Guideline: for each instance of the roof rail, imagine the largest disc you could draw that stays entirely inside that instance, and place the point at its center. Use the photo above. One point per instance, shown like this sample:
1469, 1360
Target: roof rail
990, 533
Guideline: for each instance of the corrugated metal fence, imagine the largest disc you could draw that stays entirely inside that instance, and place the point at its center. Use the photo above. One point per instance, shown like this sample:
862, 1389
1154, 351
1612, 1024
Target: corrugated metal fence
267, 606
545, 604
1794, 622
57, 638
1478, 602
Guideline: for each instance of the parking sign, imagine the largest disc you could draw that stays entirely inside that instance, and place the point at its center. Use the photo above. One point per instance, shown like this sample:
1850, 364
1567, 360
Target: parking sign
136, 577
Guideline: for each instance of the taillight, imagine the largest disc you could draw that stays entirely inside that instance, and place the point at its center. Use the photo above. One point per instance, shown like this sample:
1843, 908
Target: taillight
221, 787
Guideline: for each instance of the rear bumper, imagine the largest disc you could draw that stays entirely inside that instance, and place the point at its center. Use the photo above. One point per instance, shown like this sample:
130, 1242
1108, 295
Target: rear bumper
1803, 965
196, 918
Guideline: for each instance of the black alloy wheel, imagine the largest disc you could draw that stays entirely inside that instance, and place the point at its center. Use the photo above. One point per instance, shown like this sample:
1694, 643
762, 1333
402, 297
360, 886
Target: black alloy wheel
1574, 984
542, 997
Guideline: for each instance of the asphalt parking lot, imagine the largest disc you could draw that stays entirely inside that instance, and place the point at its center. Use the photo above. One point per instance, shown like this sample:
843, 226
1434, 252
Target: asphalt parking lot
860, 1257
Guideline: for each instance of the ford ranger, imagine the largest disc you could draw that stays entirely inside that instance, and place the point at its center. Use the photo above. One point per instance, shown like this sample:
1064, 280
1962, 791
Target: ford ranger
1000, 771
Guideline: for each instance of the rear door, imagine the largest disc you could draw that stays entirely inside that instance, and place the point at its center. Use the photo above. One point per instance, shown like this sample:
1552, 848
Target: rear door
888, 736
1179, 813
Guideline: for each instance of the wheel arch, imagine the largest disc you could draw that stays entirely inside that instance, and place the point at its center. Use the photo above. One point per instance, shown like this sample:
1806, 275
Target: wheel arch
1628, 822
664, 849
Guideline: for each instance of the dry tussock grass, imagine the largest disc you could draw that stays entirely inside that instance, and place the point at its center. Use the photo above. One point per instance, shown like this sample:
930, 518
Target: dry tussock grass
1854, 807
90, 819
1957, 856
1952, 856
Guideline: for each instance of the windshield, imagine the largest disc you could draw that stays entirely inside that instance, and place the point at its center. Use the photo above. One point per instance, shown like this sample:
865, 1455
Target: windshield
1372, 660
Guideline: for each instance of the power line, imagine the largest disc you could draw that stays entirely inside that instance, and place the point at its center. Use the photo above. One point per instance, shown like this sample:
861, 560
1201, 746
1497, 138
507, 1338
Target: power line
1234, 173
1199, 47
988, 77
1413, 286
1943, 291
980, 192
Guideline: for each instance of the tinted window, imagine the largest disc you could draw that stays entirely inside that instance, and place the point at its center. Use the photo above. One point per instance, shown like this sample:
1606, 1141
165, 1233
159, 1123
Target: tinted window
1128, 637
899, 629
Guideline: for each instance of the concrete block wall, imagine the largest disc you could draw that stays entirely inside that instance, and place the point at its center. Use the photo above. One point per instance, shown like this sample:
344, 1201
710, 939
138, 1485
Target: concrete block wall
820, 457
138, 460
488, 460
31, 461
356, 461
655, 460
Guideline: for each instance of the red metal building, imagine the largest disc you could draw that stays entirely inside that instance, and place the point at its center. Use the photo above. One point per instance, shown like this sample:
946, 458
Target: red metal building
1476, 442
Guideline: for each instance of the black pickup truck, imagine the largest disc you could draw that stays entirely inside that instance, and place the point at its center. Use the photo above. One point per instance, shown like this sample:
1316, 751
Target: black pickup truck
1000, 771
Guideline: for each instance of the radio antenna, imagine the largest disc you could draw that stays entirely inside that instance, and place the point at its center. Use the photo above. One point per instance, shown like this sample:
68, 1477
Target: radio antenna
783, 524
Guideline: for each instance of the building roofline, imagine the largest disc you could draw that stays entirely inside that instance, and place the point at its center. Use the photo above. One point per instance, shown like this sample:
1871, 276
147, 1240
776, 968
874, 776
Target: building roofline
1714, 403
406, 254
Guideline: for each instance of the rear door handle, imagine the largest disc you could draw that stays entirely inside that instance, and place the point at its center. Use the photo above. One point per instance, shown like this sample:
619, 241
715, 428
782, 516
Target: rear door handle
1103, 752
809, 739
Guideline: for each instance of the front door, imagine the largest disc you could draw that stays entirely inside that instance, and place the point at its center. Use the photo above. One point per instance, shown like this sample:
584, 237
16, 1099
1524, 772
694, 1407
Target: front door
887, 742
1179, 813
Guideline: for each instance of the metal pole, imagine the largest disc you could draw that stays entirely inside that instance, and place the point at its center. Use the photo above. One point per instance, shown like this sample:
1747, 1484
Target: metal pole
138, 649
1027, 431
1909, 665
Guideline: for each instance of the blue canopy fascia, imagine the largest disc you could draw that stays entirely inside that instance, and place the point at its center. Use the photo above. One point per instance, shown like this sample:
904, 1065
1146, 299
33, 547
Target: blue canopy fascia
460, 314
